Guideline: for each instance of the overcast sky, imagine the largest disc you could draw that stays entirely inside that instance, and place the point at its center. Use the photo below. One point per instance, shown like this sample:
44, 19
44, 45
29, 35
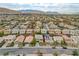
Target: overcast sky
39, 1
44, 5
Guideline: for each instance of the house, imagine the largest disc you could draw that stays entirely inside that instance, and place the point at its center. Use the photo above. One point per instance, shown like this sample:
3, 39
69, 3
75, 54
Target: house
28, 39
51, 31
22, 31
53, 26
23, 26
38, 23
72, 32
37, 30
65, 31
75, 32
7, 31
57, 32
1, 39
69, 26
37, 27
9, 37
20, 39
15, 31
29, 31
48, 38
39, 37
7, 27
61, 24
57, 38
75, 40
46, 26
67, 39
43, 31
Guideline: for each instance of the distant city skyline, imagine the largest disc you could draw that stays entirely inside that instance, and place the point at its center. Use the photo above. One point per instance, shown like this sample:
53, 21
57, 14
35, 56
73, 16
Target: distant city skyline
54, 7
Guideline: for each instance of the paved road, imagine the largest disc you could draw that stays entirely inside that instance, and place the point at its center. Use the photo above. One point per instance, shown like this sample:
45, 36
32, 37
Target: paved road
33, 50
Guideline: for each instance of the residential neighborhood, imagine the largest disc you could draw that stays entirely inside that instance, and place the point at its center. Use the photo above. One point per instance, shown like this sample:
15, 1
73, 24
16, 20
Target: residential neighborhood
39, 31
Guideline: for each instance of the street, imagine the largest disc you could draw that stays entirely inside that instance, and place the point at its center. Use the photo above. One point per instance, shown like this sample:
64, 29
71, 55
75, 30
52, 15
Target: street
16, 51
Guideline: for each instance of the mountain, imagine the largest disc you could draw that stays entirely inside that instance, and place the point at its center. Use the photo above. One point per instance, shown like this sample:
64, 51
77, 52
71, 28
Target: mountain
50, 12
31, 11
8, 11
37, 11
62, 8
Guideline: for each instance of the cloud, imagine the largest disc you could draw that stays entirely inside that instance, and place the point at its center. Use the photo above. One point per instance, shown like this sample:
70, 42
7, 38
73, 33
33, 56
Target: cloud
59, 7
38, 1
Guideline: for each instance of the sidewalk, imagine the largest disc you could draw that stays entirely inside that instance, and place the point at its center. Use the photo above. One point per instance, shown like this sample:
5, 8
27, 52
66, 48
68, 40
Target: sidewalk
4, 46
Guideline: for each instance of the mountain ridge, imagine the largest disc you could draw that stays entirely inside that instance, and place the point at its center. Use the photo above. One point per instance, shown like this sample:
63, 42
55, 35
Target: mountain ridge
8, 11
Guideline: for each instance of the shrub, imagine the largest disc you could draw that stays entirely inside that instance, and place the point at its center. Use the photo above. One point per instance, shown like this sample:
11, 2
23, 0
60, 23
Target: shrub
33, 43
20, 44
63, 44
55, 53
6, 53
55, 43
1, 34
39, 53
75, 53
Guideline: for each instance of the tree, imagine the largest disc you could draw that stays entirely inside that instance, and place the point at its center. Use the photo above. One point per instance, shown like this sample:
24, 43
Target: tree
1, 34
6, 53
55, 53
63, 44
55, 43
33, 43
20, 44
75, 53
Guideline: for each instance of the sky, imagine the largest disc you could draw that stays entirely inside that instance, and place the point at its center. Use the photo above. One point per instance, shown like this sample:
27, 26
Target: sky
43, 5
39, 1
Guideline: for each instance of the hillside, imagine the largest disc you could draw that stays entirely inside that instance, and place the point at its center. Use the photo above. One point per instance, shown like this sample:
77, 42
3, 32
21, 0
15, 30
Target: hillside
8, 11
37, 12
